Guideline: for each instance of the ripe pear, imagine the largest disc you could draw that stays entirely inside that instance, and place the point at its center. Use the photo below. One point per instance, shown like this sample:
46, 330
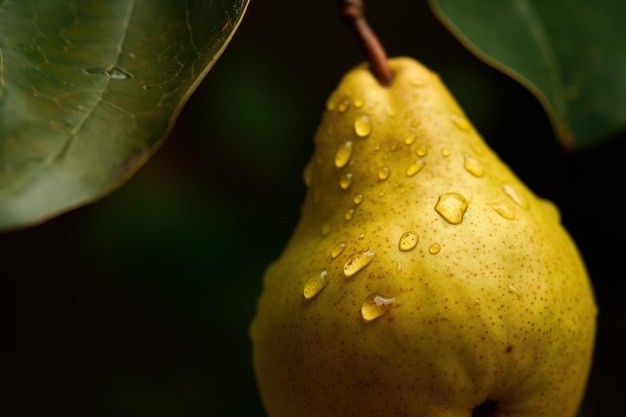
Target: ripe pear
423, 278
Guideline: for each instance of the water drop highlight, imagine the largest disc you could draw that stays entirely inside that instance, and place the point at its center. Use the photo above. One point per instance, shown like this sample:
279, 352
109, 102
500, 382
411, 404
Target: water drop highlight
376, 306
358, 199
434, 249
415, 168
515, 194
362, 126
473, 166
315, 285
345, 181
460, 122
505, 210
452, 207
383, 173
343, 154
349, 214
408, 241
357, 261
337, 249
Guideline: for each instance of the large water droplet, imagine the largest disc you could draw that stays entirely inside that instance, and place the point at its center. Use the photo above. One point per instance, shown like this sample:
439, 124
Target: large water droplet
314, 285
383, 173
375, 306
345, 181
415, 168
358, 199
461, 122
343, 154
337, 249
362, 125
505, 210
410, 139
357, 261
349, 214
451, 206
473, 166
408, 241
422, 150
515, 194
434, 249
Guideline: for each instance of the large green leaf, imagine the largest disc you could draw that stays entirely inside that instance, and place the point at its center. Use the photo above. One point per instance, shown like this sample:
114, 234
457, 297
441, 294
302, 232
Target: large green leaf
88, 90
570, 53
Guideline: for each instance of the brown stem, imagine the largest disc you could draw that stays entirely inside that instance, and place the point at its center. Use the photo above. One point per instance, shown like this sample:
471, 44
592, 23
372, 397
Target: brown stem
353, 12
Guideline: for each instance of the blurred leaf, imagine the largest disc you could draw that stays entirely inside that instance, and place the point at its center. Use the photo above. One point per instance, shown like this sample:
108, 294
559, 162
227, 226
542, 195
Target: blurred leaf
569, 53
89, 89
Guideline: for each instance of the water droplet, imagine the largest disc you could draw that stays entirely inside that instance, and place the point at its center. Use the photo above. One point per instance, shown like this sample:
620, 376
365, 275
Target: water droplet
445, 152
306, 174
473, 166
451, 206
422, 150
415, 123
345, 181
343, 105
408, 114
362, 126
461, 122
418, 82
349, 214
415, 98
337, 249
514, 290
362, 236
415, 168
325, 230
357, 261
408, 241
505, 210
358, 199
434, 249
383, 173
314, 285
358, 102
409, 140
375, 306
515, 194
343, 154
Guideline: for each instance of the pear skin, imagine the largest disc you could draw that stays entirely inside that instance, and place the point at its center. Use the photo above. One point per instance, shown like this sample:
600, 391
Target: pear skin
423, 279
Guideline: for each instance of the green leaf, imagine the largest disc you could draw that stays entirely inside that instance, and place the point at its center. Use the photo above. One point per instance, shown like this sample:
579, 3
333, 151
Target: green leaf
570, 53
89, 89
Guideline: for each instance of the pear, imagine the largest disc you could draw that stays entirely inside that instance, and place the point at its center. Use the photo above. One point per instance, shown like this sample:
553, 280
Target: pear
423, 278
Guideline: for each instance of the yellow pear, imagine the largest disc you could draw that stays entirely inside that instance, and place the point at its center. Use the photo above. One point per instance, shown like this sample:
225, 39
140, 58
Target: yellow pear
423, 278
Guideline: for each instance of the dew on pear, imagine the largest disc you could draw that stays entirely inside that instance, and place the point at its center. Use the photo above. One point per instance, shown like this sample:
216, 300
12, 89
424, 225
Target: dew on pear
422, 150
415, 123
460, 122
358, 102
410, 139
349, 214
357, 261
383, 173
445, 152
345, 181
434, 249
343, 106
375, 306
414, 168
418, 82
452, 207
358, 199
343, 154
505, 210
325, 230
473, 166
515, 194
408, 241
337, 249
415, 98
315, 285
362, 126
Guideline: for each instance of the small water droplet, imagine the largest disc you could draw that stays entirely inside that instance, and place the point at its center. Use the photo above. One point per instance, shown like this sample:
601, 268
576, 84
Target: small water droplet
422, 150
505, 210
415, 98
408, 114
349, 214
361, 236
514, 290
473, 166
357, 261
452, 207
358, 199
306, 174
343, 105
343, 154
461, 122
409, 140
383, 173
358, 103
408, 241
434, 249
337, 249
362, 126
345, 181
415, 168
418, 82
315, 285
375, 306
445, 152
415, 123
325, 230
515, 194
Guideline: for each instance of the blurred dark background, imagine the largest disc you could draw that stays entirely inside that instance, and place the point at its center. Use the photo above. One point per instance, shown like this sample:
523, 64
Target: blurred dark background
140, 303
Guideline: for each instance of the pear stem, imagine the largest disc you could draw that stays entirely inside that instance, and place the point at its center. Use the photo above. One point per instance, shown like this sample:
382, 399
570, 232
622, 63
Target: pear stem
353, 12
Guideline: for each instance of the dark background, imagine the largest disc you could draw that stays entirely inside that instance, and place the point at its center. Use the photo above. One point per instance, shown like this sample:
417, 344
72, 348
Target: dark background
140, 303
